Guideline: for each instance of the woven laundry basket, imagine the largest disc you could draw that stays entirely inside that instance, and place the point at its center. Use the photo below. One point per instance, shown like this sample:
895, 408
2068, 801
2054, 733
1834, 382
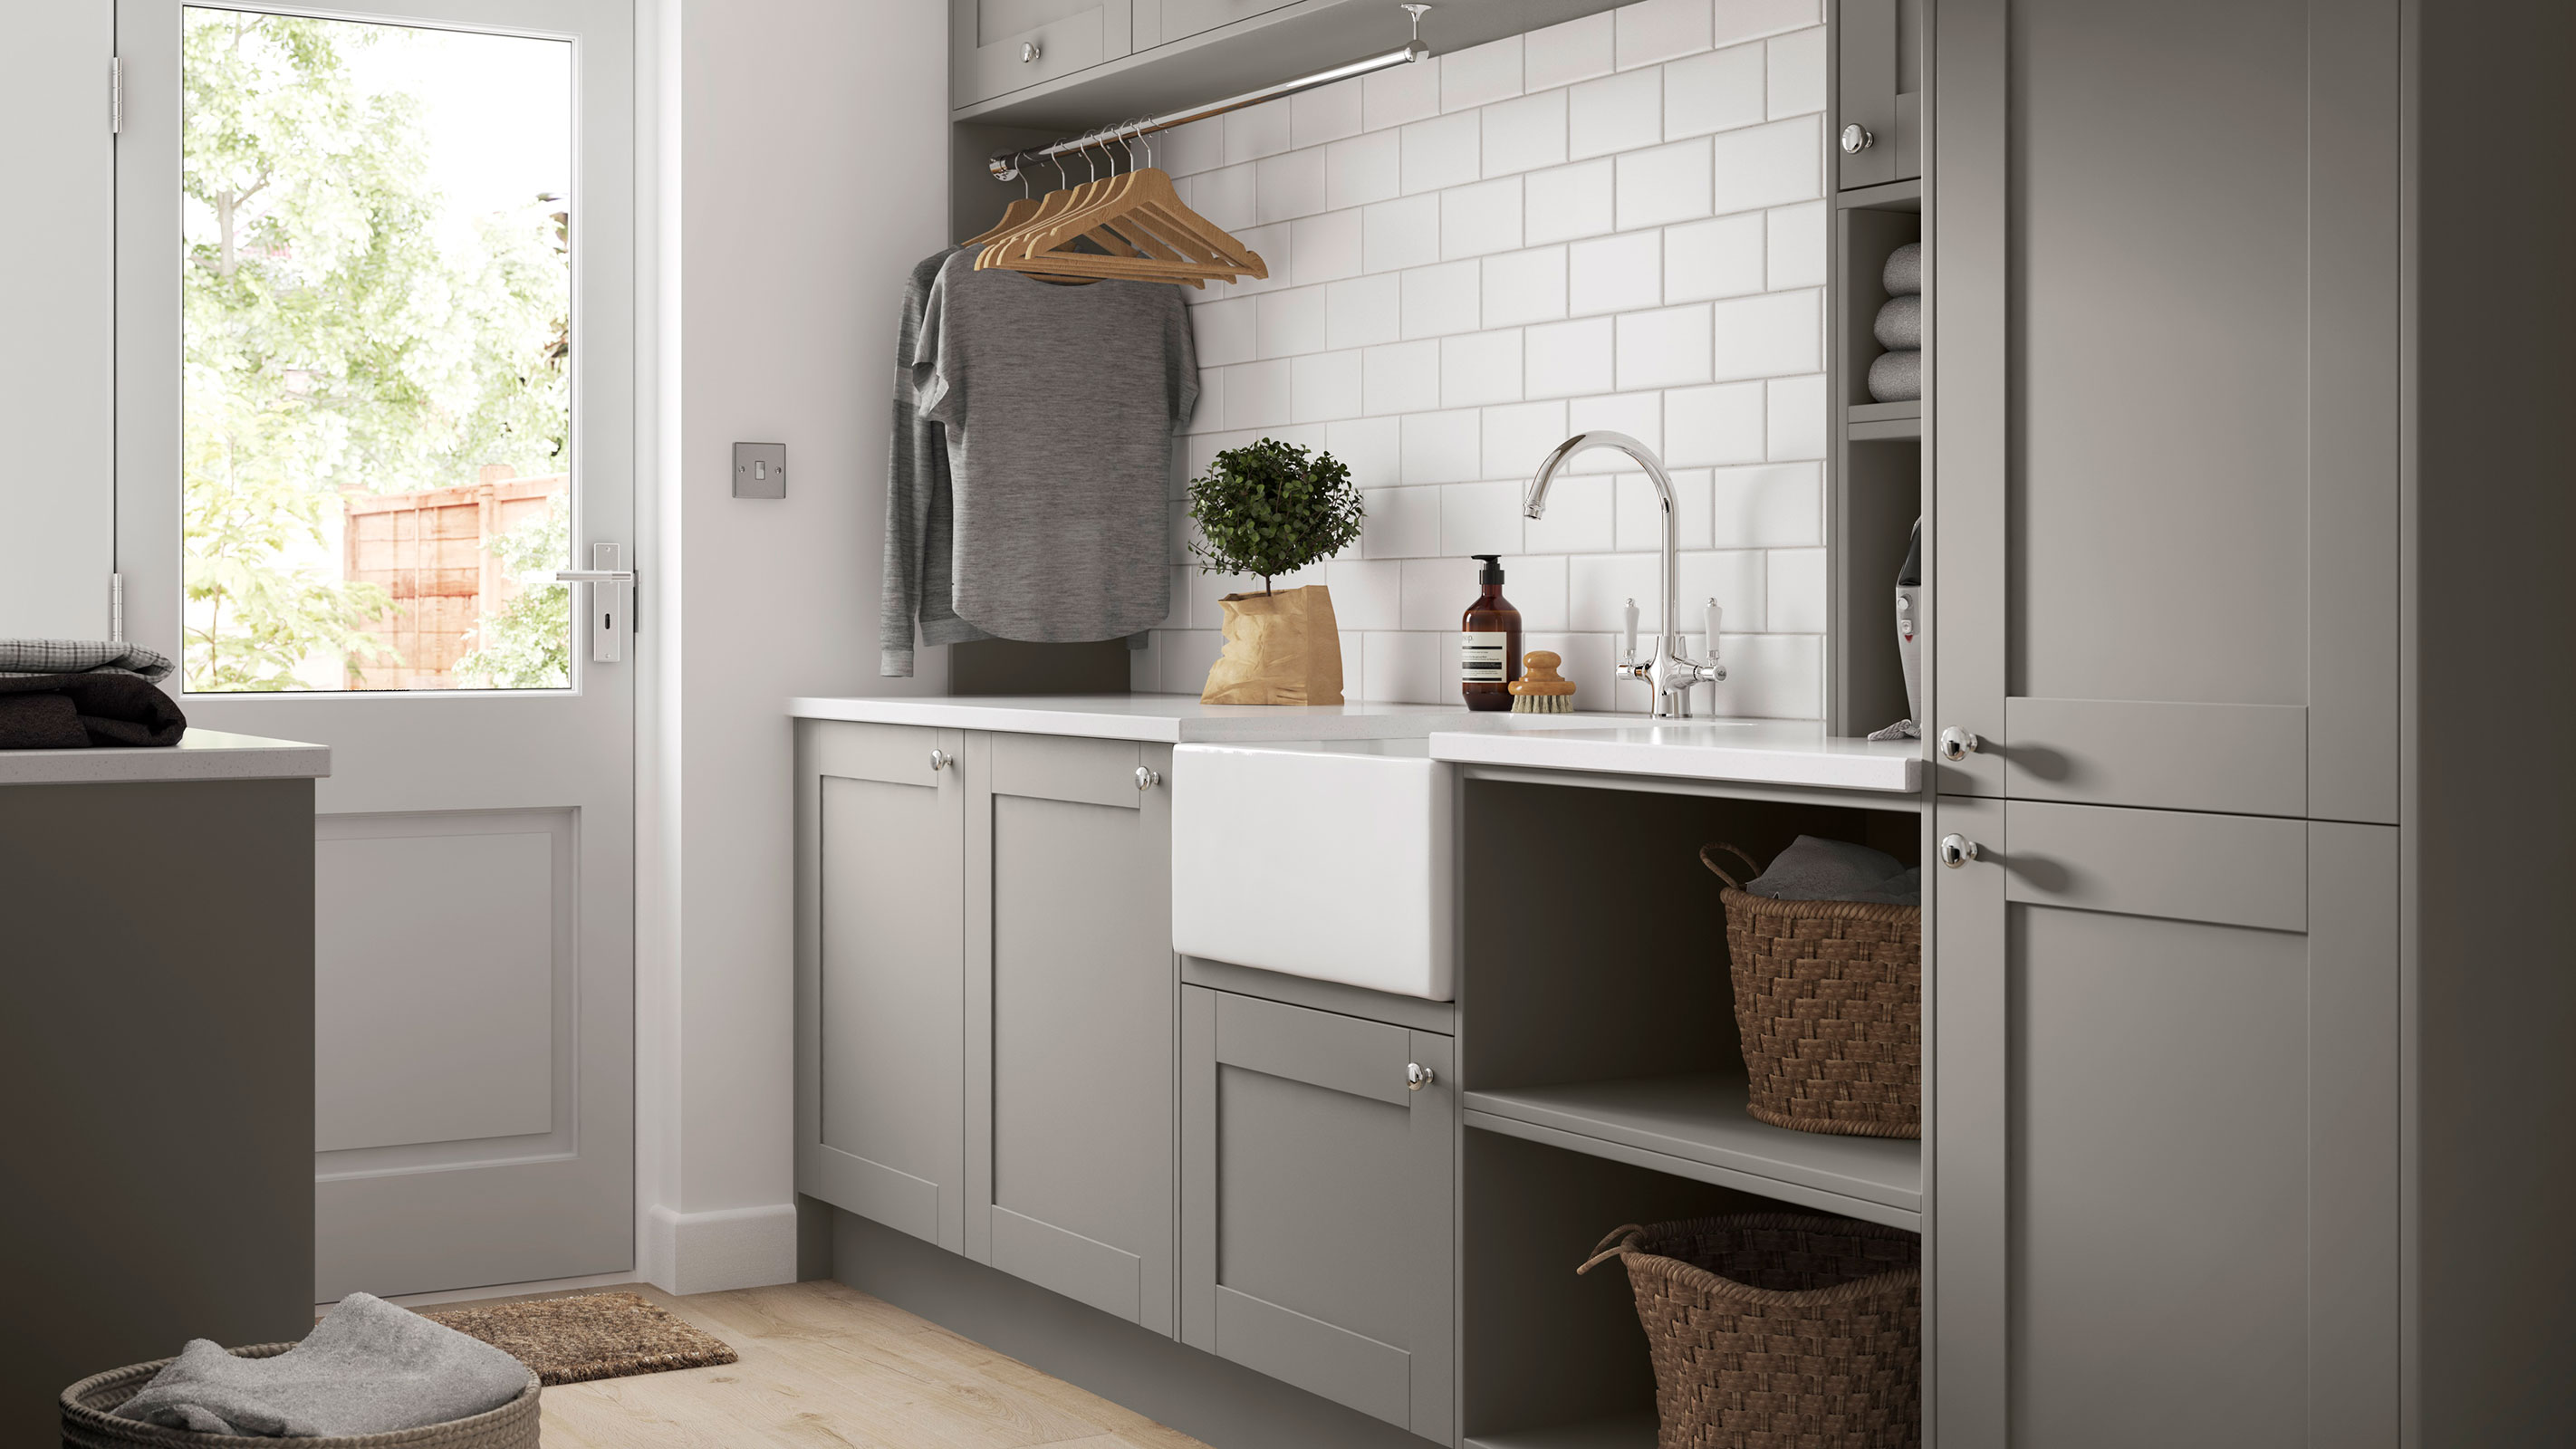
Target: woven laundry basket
1779, 1330
1829, 1001
89, 1421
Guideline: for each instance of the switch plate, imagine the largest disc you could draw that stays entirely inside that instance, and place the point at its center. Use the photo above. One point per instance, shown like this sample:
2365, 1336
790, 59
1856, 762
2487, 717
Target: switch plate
760, 470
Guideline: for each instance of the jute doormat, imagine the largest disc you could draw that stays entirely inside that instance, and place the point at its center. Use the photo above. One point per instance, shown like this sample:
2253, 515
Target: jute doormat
592, 1336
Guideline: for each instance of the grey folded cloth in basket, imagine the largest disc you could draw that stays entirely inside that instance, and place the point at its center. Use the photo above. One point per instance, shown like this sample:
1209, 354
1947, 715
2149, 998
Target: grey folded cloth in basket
1900, 323
80, 656
1903, 275
1897, 376
366, 1368
1816, 869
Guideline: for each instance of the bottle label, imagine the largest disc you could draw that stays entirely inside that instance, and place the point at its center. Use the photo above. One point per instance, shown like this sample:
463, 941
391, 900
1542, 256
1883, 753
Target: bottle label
1482, 656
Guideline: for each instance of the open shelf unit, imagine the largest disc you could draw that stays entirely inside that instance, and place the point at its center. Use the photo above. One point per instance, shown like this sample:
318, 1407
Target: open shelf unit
1876, 461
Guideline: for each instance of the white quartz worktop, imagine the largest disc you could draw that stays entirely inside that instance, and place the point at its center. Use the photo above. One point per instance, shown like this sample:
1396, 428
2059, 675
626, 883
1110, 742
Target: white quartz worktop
199, 755
1756, 751
1157, 718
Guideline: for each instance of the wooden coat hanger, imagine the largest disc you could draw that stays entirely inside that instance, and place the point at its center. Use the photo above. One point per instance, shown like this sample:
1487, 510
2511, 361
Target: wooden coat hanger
1160, 238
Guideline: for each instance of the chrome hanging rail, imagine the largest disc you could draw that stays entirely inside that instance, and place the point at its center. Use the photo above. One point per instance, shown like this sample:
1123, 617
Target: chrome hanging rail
1005, 165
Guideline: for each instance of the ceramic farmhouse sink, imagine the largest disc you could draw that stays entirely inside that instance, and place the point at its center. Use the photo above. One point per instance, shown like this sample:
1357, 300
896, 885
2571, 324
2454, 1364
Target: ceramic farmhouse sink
1333, 861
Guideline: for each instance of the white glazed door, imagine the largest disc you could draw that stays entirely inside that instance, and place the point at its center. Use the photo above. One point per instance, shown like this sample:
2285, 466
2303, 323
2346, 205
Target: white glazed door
375, 368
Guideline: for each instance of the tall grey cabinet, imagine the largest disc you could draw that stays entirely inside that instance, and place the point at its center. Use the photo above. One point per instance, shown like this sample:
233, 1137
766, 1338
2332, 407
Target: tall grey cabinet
2166, 1009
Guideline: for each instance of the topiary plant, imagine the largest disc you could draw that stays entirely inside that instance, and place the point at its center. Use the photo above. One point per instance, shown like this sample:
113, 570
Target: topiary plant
1272, 508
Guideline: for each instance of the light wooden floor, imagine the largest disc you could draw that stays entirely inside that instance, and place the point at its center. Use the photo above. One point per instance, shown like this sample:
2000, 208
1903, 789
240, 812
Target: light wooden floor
825, 1366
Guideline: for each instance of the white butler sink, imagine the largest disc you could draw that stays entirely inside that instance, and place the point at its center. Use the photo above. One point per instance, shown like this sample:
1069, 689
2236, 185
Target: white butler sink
1334, 861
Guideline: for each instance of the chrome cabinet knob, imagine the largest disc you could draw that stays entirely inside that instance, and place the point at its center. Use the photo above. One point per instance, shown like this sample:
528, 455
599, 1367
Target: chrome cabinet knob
1029, 51
1417, 1076
1957, 744
1147, 778
1856, 139
1957, 850
941, 759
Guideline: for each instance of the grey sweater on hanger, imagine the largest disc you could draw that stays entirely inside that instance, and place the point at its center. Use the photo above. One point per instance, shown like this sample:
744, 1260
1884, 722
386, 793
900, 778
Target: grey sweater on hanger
920, 537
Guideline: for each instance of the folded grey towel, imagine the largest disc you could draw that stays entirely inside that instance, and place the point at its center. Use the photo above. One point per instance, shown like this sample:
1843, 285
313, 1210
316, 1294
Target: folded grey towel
1904, 274
1815, 869
366, 1368
1900, 323
1897, 376
1904, 729
79, 656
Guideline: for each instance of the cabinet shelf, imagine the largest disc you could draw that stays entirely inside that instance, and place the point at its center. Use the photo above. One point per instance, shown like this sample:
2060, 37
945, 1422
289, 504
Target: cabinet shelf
1695, 1126
1624, 1431
1873, 422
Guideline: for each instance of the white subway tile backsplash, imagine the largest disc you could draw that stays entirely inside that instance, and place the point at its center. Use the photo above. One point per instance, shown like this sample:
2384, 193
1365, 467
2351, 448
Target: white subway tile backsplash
1579, 519
1403, 94
1720, 257
1796, 66
1372, 448
1519, 435
1441, 152
1326, 387
1638, 414
1721, 424
1617, 273
1598, 587
1718, 91
1367, 594
1569, 201
1288, 186
1257, 394
1257, 131
1641, 512
1797, 245
1536, 586
1400, 523
1482, 218
1778, 676
1188, 655
1144, 666
1614, 113
1797, 417
1778, 505
1187, 150
1739, 20
1442, 300
1768, 335
1441, 448
1363, 169
1208, 414
1524, 287
1405, 667
1399, 234
1667, 184
1771, 165
1733, 577
1663, 348
1224, 332
1479, 368
1271, 244
1563, 54
1327, 114
1290, 322
1363, 311
1479, 518
1524, 134
1224, 196
1480, 75
1797, 591
1566, 358
1656, 30
1354, 658
1402, 377
1328, 247
1437, 591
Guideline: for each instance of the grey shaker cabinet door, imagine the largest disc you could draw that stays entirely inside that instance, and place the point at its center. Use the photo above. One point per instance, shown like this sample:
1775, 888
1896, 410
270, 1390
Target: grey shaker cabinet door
2166, 1103
2166, 290
1317, 1203
881, 975
1072, 1031
1000, 46
1180, 19
1878, 69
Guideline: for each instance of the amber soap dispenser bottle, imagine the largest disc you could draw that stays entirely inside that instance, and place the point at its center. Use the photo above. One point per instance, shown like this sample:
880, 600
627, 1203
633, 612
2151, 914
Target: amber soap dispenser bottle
1489, 641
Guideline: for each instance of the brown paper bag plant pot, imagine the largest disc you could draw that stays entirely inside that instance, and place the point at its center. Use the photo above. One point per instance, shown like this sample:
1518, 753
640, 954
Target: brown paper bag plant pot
1266, 509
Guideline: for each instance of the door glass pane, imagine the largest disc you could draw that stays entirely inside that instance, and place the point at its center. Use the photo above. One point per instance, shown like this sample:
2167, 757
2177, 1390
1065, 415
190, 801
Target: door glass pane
377, 318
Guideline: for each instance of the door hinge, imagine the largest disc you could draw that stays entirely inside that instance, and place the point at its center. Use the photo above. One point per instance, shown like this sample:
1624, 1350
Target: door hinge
116, 608
115, 95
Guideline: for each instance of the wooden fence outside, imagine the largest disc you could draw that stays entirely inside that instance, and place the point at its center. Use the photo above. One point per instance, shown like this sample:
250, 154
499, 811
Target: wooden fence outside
432, 551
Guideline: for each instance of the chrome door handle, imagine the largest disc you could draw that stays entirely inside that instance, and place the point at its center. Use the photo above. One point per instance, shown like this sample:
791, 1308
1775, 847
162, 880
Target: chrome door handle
1147, 778
1417, 1076
1957, 850
1957, 744
941, 759
1030, 50
608, 609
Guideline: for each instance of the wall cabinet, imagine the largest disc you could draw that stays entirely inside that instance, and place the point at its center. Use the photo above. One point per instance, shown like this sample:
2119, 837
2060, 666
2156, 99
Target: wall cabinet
1158, 21
1317, 1203
1878, 86
999, 46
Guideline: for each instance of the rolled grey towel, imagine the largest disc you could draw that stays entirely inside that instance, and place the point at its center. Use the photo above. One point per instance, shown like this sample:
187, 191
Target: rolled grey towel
1904, 274
1900, 323
1816, 869
366, 1368
1897, 376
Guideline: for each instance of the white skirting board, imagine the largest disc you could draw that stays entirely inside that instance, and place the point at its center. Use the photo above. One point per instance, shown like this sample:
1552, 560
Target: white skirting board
711, 1252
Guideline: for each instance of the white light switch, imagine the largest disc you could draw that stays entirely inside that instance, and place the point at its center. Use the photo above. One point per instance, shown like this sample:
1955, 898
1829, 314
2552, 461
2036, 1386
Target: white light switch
760, 470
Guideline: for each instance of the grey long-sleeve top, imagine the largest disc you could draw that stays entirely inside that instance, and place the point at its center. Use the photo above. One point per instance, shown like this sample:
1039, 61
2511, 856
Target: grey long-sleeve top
920, 535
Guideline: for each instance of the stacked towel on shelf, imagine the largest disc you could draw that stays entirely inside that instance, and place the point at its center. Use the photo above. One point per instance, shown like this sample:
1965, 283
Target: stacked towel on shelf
70, 694
1897, 375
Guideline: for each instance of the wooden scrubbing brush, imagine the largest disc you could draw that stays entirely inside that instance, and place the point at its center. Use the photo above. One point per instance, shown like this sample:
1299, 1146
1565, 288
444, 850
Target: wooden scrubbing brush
1541, 690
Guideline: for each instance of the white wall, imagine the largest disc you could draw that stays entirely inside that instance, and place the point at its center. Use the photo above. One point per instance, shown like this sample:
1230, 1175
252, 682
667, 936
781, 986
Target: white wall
1612, 223
57, 379
782, 125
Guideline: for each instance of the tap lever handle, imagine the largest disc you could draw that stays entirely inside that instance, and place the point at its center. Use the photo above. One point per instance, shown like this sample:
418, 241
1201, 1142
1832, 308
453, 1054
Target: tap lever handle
1631, 615
1716, 621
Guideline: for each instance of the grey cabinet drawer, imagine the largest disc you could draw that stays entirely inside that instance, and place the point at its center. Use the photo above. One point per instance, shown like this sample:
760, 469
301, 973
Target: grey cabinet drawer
1317, 1201
1000, 46
880, 975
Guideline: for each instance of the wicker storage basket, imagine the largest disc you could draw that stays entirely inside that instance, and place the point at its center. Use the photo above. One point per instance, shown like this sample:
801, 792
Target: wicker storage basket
1779, 1330
1829, 1001
89, 1423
